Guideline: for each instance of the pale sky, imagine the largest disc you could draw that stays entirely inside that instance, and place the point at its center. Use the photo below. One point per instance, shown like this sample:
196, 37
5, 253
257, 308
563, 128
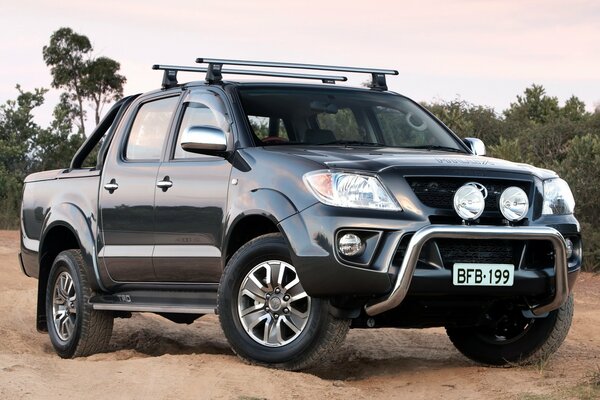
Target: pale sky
485, 52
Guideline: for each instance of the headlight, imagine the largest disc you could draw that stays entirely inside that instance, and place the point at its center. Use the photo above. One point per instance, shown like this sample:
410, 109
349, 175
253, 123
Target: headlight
558, 199
344, 189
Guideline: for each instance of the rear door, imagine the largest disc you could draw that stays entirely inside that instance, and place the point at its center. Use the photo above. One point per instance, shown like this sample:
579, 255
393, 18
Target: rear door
128, 187
190, 210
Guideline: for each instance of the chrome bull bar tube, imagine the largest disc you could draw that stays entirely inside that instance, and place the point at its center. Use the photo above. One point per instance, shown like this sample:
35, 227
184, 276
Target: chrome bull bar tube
398, 293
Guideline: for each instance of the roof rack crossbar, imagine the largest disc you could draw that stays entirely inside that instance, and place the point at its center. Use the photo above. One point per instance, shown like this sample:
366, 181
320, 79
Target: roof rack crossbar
212, 78
378, 81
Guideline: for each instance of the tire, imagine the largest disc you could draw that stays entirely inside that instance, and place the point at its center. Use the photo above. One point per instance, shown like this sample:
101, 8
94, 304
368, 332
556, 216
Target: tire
75, 328
318, 332
535, 341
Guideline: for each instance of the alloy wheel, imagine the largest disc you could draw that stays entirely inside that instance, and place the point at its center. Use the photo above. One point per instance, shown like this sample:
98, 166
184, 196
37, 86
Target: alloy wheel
64, 306
272, 305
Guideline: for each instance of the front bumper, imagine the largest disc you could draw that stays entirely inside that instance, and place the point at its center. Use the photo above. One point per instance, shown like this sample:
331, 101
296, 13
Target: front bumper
389, 278
413, 251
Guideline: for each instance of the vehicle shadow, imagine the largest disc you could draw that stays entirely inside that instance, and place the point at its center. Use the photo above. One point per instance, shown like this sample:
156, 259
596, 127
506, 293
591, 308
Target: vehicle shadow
364, 354
379, 352
366, 368
152, 335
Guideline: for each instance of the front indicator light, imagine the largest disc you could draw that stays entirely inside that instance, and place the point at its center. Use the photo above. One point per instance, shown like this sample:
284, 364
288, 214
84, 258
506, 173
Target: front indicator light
569, 244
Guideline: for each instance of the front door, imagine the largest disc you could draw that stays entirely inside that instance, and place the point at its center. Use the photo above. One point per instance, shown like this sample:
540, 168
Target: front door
191, 201
127, 192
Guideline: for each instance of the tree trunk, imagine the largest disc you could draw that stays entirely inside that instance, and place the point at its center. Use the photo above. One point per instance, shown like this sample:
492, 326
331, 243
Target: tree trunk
81, 119
97, 111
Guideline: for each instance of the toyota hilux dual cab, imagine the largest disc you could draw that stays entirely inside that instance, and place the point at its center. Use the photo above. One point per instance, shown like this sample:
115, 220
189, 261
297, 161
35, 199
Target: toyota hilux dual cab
296, 212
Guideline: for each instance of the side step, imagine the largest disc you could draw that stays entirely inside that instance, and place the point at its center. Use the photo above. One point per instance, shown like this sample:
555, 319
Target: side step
158, 302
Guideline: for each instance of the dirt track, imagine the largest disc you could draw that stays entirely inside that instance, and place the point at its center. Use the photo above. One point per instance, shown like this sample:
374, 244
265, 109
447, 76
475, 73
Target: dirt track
153, 358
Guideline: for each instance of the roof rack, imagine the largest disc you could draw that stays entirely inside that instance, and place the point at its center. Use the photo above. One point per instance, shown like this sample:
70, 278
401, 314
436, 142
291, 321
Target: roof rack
214, 71
215, 66
170, 74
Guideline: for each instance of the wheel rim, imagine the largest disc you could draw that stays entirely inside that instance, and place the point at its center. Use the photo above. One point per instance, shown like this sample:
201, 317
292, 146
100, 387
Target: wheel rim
508, 327
64, 306
273, 307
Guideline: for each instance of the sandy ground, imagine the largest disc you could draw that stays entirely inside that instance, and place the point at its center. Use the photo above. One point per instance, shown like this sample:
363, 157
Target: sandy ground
153, 358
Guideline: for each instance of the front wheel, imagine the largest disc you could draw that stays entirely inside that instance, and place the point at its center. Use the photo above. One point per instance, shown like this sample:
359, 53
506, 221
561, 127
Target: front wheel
265, 313
511, 338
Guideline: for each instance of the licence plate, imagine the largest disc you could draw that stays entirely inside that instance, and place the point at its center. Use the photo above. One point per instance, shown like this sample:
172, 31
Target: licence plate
470, 274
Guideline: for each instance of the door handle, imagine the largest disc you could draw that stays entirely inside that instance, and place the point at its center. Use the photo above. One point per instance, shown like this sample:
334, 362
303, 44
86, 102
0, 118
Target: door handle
111, 186
165, 184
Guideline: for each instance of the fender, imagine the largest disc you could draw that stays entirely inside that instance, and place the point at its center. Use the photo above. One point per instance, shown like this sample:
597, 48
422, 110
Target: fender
70, 216
268, 203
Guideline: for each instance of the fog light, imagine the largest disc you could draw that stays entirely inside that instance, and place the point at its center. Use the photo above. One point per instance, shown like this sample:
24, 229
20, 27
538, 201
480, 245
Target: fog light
469, 201
350, 245
569, 244
514, 203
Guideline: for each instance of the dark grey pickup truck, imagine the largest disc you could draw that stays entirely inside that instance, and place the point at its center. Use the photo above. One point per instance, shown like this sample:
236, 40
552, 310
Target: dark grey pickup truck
295, 212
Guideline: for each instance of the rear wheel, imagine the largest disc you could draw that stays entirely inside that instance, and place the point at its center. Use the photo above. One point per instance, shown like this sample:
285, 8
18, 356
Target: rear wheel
265, 313
512, 338
75, 328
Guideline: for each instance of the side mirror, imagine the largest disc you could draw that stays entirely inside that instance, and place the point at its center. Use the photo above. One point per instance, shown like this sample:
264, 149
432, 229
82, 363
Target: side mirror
204, 140
477, 147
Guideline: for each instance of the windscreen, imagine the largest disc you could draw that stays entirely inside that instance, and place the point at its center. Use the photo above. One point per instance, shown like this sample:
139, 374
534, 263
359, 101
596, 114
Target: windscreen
323, 116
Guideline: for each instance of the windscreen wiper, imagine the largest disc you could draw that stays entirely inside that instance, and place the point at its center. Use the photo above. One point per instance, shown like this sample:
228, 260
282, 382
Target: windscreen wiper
355, 143
435, 147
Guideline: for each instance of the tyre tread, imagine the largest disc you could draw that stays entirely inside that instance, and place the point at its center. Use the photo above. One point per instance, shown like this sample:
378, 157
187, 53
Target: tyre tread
96, 326
327, 341
546, 348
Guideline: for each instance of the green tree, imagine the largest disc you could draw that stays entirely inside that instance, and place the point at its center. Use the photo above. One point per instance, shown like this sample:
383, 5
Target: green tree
574, 109
103, 84
67, 55
83, 77
581, 168
454, 115
534, 105
508, 149
56, 145
468, 120
18, 133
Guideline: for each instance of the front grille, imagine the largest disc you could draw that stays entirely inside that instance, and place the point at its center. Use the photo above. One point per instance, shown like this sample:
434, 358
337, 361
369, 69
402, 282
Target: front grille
479, 251
438, 192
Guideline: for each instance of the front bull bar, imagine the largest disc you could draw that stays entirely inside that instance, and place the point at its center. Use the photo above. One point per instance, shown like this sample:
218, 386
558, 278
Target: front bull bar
402, 283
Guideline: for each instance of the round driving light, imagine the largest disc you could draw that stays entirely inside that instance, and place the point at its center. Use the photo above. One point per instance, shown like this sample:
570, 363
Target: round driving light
469, 201
350, 245
569, 244
514, 203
